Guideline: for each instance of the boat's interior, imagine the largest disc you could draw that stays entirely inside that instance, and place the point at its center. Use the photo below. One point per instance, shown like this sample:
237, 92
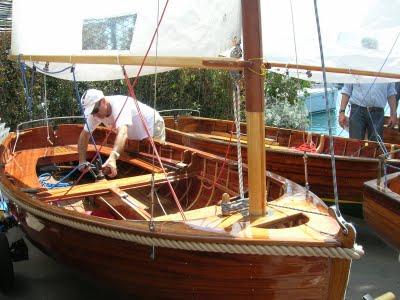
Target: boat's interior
200, 181
275, 138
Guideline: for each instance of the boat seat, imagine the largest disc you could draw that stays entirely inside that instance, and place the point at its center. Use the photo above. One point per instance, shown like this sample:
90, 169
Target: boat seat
23, 167
103, 187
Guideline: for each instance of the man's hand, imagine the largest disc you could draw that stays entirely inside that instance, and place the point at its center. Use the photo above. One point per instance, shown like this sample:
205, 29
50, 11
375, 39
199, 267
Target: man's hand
110, 166
343, 120
392, 121
83, 167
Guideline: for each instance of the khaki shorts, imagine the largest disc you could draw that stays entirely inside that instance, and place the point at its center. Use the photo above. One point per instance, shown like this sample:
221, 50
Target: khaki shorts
159, 131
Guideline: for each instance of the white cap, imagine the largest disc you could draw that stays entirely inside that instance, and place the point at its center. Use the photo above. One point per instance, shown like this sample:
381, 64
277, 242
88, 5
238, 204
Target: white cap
89, 99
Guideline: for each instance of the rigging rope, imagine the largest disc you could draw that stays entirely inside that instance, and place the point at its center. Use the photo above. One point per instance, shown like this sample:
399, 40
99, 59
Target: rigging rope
45, 177
152, 192
46, 71
132, 94
236, 110
28, 97
331, 147
378, 137
237, 76
45, 107
78, 99
97, 155
150, 138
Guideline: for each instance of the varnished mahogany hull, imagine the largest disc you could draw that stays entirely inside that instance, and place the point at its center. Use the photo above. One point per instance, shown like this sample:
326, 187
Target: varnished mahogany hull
351, 171
69, 236
382, 211
179, 274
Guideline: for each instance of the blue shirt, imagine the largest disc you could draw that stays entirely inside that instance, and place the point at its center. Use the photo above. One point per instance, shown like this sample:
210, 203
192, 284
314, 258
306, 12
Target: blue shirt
366, 94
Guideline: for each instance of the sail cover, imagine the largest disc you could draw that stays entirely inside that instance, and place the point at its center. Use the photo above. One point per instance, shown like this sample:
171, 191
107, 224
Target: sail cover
355, 35
190, 28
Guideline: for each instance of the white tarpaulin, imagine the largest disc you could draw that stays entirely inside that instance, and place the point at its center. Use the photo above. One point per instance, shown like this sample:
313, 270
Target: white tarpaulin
355, 35
359, 35
102, 27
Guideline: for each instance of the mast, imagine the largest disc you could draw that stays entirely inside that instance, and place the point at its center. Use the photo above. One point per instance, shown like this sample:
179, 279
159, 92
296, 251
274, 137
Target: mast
254, 89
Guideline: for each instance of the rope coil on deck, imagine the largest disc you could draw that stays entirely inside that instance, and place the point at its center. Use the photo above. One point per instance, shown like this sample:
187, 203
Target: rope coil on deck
333, 252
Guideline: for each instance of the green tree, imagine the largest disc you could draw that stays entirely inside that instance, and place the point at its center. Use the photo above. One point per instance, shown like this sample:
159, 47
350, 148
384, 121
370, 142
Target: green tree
284, 108
209, 91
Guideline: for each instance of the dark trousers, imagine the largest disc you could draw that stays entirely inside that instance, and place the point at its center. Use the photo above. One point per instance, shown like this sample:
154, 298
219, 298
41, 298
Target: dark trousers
362, 120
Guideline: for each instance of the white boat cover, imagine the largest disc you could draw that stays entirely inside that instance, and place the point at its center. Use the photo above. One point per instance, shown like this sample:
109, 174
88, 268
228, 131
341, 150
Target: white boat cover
360, 35
103, 27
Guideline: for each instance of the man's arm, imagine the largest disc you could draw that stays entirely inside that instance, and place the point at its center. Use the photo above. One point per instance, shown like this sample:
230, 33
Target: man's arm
83, 142
343, 120
120, 139
110, 166
393, 111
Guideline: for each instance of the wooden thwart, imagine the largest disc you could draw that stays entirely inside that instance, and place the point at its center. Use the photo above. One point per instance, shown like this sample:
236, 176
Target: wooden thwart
103, 187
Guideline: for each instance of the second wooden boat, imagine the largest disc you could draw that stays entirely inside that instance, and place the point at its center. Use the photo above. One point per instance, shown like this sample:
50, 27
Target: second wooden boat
382, 208
356, 160
391, 135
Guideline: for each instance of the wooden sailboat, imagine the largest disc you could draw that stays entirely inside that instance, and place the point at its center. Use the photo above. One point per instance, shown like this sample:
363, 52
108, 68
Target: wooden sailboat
103, 227
356, 160
282, 243
382, 208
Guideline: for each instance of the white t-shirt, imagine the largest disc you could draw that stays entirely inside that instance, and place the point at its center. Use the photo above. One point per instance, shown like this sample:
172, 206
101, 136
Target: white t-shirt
129, 116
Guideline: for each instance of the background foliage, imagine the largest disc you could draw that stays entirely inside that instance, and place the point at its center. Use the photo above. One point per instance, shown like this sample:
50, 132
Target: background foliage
210, 91
283, 107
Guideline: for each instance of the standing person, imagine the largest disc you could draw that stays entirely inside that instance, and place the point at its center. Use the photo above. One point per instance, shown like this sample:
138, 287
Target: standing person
367, 102
110, 111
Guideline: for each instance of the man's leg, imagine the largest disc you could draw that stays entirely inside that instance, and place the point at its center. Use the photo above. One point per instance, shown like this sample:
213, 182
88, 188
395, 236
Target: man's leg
357, 124
376, 119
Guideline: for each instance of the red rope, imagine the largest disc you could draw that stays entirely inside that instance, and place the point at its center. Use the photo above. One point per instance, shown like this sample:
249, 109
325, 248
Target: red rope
132, 94
305, 147
134, 84
223, 164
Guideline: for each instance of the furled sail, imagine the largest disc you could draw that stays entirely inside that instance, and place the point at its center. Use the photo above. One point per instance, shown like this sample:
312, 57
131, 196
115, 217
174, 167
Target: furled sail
190, 28
359, 35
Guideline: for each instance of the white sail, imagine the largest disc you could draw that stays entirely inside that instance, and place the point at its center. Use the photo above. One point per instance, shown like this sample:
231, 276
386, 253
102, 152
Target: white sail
358, 35
118, 27
355, 35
